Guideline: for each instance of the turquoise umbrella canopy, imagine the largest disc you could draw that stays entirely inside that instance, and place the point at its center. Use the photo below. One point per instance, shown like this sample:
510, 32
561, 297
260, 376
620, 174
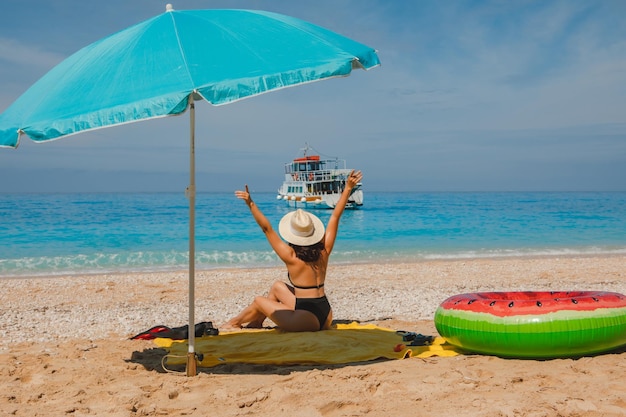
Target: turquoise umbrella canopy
161, 66
150, 69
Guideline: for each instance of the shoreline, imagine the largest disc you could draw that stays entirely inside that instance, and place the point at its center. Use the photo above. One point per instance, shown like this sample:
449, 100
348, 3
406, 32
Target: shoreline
64, 346
382, 260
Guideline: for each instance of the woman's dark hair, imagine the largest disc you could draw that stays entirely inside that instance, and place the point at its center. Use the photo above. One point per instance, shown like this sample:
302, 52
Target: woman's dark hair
309, 253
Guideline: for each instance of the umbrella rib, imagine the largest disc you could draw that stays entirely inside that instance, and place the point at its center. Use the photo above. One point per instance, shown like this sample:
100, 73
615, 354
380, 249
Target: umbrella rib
181, 49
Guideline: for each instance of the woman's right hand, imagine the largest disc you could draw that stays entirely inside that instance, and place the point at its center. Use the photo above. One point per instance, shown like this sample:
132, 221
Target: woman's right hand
244, 195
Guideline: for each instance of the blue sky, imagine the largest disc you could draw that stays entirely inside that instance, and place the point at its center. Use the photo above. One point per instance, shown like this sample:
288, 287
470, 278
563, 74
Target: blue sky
471, 96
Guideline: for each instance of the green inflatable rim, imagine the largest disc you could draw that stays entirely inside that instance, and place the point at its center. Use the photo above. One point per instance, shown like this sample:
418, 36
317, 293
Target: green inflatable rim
559, 334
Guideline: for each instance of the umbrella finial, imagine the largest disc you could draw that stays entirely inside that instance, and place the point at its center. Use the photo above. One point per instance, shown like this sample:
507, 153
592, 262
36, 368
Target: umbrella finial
169, 7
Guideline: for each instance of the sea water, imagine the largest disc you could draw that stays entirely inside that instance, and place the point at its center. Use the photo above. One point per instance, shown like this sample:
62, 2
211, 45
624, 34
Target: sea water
48, 234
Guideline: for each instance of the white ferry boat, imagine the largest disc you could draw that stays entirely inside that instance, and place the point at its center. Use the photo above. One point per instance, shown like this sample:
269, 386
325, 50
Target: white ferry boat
313, 182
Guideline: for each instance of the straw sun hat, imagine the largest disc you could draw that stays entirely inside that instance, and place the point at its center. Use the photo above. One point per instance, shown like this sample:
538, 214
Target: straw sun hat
301, 228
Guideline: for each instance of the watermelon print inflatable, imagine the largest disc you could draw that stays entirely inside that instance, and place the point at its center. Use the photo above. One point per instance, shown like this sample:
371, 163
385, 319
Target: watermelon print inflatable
534, 324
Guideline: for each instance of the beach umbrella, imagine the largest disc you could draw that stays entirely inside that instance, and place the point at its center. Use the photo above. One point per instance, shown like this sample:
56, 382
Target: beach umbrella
161, 66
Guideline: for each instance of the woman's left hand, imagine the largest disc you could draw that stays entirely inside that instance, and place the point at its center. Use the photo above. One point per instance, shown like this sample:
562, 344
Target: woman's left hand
244, 195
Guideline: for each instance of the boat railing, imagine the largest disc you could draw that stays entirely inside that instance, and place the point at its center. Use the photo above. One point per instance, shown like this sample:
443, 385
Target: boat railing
326, 175
312, 190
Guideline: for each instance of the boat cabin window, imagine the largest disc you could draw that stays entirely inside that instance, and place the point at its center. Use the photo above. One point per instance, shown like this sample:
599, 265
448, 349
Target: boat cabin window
294, 189
306, 166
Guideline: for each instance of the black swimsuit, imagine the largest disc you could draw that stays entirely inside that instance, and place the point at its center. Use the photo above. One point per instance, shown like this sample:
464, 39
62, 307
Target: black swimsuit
319, 306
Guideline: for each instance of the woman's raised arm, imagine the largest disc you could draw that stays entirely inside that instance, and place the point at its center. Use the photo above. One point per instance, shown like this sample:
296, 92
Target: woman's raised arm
333, 223
282, 249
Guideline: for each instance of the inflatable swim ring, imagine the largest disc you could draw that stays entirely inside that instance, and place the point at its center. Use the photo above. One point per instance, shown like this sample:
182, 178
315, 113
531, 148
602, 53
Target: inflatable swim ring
534, 324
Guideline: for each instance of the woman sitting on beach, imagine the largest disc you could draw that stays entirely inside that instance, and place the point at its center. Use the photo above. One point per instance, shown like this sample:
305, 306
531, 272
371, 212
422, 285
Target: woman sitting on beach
301, 306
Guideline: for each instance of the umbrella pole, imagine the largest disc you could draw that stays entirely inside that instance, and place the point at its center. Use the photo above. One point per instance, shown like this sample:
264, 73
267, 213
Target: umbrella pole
191, 194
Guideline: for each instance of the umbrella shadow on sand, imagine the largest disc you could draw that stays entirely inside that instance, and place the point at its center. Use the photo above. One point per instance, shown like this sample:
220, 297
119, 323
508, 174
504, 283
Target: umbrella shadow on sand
152, 360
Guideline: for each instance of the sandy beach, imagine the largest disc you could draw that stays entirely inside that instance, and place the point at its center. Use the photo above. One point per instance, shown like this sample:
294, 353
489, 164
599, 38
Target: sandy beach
65, 348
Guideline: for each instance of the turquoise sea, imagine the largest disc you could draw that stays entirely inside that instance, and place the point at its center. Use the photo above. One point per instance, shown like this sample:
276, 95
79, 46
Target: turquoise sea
46, 234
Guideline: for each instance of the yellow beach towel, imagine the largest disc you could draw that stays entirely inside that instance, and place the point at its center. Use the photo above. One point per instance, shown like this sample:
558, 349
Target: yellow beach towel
344, 343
